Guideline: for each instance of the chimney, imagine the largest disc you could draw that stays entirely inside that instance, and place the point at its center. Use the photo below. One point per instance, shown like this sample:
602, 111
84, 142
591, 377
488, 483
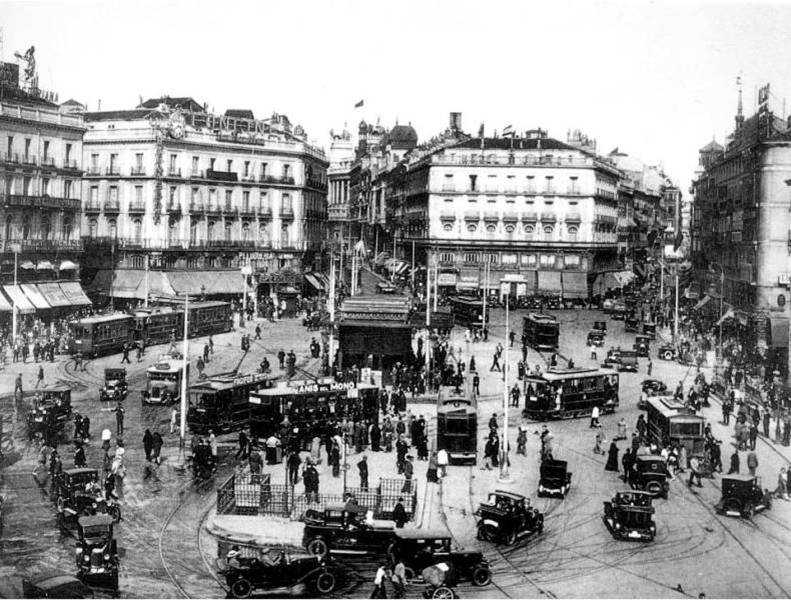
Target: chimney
455, 121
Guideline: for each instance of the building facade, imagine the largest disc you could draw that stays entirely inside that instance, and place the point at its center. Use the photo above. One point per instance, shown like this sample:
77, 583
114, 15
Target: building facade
740, 233
341, 157
171, 187
40, 194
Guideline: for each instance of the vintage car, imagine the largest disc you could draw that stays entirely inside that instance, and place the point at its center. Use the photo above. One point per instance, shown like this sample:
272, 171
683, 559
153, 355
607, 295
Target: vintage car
628, 516
600, 326
618, 311
50, 411
344, 529
421, 548
204, 464
554, 478
653, 386
606, 304
596, 338
78, 493
649, 473
667, 352
115, 386
631, 324
622, 360
55, 585
742, 495
649, 329
386, 288
280, 574
642, 345
97, 553
506, 517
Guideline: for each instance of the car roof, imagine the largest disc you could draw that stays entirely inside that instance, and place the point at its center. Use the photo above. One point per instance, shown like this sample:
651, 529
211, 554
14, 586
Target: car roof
506, 494
93, 520
422, 534
649, 458
554, 463
356, 508
49, 582
80, 471
56, 388
739, 477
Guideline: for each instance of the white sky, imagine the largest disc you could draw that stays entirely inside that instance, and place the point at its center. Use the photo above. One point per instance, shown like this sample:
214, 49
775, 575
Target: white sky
656, 79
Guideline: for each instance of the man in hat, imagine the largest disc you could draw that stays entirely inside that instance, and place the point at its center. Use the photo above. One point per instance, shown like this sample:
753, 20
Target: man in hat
362, 466
409, 471
399, 513
232, 558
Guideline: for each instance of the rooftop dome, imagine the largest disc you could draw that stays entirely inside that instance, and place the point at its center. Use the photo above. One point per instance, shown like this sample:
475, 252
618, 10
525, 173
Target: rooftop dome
401, 136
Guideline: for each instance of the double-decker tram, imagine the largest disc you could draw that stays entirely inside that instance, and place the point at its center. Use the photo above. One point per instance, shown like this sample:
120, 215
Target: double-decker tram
457, 424
570, 393
540, 331
222, 403
468, 311
671, 422
310, 406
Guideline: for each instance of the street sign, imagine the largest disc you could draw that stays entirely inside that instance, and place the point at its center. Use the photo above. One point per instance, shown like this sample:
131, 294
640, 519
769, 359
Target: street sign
246, 270
15, 248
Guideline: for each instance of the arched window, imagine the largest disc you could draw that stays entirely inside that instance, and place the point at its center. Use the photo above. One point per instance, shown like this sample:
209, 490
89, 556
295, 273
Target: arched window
447, 226
93, 227
172, 231
9, 224
263, 233
573, 230
227, 231
112, 227
210, 231
26, 228
472, 227
491, 227
548, 232
137, 230
510, 228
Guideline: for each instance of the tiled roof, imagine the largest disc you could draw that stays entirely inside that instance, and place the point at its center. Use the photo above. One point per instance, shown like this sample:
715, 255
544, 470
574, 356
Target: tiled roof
111, 115
239, 113
546, 143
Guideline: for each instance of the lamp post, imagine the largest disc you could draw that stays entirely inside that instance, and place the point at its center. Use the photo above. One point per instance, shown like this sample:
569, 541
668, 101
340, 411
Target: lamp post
505, 476
722, 294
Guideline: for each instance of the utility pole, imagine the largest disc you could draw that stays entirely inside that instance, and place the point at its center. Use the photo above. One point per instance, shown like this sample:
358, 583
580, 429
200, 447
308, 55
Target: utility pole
413, 265
722, 294
184, 371
14, 323
146, 288
485, 291
505, 476
436, 280
428, 322
392, 273
675, 310
331, 307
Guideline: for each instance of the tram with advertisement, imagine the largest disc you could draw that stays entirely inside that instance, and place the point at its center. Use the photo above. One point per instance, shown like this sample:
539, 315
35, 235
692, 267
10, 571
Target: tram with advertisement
221, 403
570, 393
540, 331
163, 380
671, 422
468, 311
107, 334
310, 406
457, 425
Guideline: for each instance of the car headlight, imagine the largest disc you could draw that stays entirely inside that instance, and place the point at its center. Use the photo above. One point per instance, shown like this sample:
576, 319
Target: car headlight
86, 558
617, 525
106, 557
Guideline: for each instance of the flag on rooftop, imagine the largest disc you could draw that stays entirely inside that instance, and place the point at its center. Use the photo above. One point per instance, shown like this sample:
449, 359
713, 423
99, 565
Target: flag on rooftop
359, 104
508, 130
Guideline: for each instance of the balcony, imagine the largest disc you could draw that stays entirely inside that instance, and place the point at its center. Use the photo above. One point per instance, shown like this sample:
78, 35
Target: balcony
112, 206
112, 171
29, 160
48, 161
286, 212
229, 176
230, 211
93, 171
28, 245
247, 211
173, 208
548, 217
174, 172
27, 201
136, 207
316, 184
213, 209
196, 206
92, 208
273, 179
264, 212
573, 218
196, 174
70, 165
138, 171
11, 157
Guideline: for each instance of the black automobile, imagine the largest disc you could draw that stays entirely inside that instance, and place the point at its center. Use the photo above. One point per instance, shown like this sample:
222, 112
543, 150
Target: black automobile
97, 553
505, 517
622, 360
421, 548
649, 474
600, 326
653, 387
50, 412
55, 585
343, 529
667, 352
631, 324
743, 496
115, 387
649, 329
279, 574
204, 463
78, 493
629, 516
618, 311
642, 345
596, 338
554, 478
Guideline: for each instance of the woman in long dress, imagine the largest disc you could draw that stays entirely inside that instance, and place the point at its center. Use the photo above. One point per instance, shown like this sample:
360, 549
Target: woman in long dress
612, 458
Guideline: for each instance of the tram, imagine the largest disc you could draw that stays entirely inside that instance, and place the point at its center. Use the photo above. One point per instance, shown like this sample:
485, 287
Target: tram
670, 422
570, 393
457, 425
221, 403
540, 331
107, 334
468, 311
310, 406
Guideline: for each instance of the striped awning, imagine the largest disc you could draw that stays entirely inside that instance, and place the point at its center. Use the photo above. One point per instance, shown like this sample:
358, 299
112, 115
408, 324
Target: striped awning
74, 294
18, 299
35, 296
5, 305
54, 295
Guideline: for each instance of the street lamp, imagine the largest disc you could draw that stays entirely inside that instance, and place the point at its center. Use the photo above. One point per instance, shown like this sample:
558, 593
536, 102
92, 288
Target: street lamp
722, 293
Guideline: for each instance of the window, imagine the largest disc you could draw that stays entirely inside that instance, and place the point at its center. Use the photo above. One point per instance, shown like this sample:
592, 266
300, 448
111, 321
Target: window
67, 189
530, 229
491, 227
195, 162
229, 162
571, 260
26, 181
139, 194
572, 231
137, 230
139, 161
210, 231
447, 226
7, 230
211, 163
548, 232
66, 230
284, 236
286, 171
447, 184
491, 183
549, 186
473, 181
114, 163
508, 259
263, 170
470, 257
46, 149
285, 203
247, 168
245, 201
246, 232
94, 162
228, 199
531, 184
94, 199
547, 261
529, 260
45, 228
490, 258
10, 147
472, 227
68, 154
573, 187
213, 198
263, 201
446, 257
509, 227
27, 148
193, 231
45, 185
228, 231
112, 227
113, 195
93, 225
172, 232
263, 233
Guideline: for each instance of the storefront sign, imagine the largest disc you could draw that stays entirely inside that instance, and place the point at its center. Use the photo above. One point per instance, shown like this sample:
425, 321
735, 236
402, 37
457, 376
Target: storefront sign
447, 279
322, 387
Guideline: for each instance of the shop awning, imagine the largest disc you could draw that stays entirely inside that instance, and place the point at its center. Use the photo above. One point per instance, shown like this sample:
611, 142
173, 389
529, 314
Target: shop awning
5, 305
205, 282
705, 300
639, 269
35, 296
624, 278
530, 278
493, 283
575, 284
313, 280
549, 283
325, 281
779, 333
67, 265
74, 293
45, 265
18, 299
54, 295
27, 265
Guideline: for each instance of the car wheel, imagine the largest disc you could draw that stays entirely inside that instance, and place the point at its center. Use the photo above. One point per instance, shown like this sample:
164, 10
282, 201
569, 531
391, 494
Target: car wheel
59, 503
668, 355
732, 504
115, 513
325, 583
318, 547
749, 510
653, 487
443, 591
487, 533
481, 576
510, 539
241, 588
409, 574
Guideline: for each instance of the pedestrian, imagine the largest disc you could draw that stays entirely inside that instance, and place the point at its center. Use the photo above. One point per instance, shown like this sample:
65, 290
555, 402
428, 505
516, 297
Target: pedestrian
257, 332
18, 387
40, 378
621, 429
511, 338
694, 472
362, 467
431, 471
650, 367
399, 579
119, 419
495, 363
782, 485
293, 462
211, 345
379, 581
599, 441
399, 513
125, 357
213, 444
79, 455
44, 454
766, 418
147, 444
200, 366
281, 357
256, 462
409, 470
612, 458
174, 417
595, 416
156, 446
752, 462
205, 353
476, 384
139, 353
244, 444
442, 462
